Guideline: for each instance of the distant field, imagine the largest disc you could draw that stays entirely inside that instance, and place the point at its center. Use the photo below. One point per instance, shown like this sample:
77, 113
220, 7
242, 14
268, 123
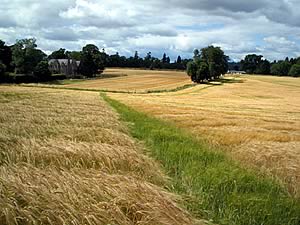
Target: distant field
66, 159
286, 81
135, 80
254, 118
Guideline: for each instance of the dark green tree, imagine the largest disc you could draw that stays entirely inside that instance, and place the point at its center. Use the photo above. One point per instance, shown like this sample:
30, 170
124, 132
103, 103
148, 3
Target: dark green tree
148, 56
168, 60
6, 56
59, 54
74, 55
42, 72
250, 63
179, 63
179, 60
264, 67
164, 58
295, 70
115, 60
156, 64
148, 60
104, 58
26, 56
134, 61
91, 61
2, 69
216, 61
281, 68
191, 70
211, 63
203, 73
196, 53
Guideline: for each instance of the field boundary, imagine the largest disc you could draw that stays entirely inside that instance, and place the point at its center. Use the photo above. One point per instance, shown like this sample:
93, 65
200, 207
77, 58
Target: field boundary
179, 88
186, 86
214, 187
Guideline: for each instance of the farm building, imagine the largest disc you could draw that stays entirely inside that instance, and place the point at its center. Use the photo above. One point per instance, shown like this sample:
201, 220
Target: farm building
69, 67
236, 72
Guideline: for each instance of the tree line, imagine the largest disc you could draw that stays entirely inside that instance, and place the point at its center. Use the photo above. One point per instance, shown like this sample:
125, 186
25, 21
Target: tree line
25, 61
209, 63
24, 58
135, 61
256, 64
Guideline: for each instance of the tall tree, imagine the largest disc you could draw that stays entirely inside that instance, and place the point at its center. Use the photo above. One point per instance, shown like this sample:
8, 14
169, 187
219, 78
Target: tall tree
148, 60
281, 68
76, 55
115, 60
216, 60
59, 54
196, 53
250, 63
41, 71
210, 64
164, 58
6, 56
179, 60
2, 70
91, 62
295, 70
148, 56
26, 56
168, 60
263, 67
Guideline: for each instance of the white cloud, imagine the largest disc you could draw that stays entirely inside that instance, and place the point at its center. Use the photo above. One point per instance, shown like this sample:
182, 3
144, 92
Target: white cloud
266, 27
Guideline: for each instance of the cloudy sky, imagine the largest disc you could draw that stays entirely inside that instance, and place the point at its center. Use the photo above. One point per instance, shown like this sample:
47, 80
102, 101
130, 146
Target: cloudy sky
267, 27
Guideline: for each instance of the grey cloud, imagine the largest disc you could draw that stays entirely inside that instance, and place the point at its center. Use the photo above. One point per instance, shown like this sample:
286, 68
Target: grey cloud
6, 21
286, 12
279, 11
104, 22
155, 25
61, 34
229, 5
159, 30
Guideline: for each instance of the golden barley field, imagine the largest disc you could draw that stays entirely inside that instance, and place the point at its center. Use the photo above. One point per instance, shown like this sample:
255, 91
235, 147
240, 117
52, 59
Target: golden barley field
66, 159
135, 80
256, 119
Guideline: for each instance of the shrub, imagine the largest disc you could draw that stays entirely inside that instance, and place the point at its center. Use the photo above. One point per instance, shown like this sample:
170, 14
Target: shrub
295, 71
42, 72
2, 69
19, 79
58, 77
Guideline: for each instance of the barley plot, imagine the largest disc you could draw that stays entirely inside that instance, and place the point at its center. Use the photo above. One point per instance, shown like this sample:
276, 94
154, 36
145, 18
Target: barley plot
254, 118
128, 80
65, 159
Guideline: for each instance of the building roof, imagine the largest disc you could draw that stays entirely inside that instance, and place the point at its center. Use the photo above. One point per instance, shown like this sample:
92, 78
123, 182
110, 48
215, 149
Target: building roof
63, 61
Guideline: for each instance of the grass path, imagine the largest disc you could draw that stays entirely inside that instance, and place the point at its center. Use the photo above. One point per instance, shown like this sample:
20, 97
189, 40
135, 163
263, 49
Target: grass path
215, 187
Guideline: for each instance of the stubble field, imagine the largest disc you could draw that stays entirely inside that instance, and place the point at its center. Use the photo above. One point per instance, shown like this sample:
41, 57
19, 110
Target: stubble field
255, 119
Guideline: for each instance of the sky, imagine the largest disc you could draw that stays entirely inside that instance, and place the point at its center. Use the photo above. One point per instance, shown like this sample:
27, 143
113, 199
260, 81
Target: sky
240, 27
